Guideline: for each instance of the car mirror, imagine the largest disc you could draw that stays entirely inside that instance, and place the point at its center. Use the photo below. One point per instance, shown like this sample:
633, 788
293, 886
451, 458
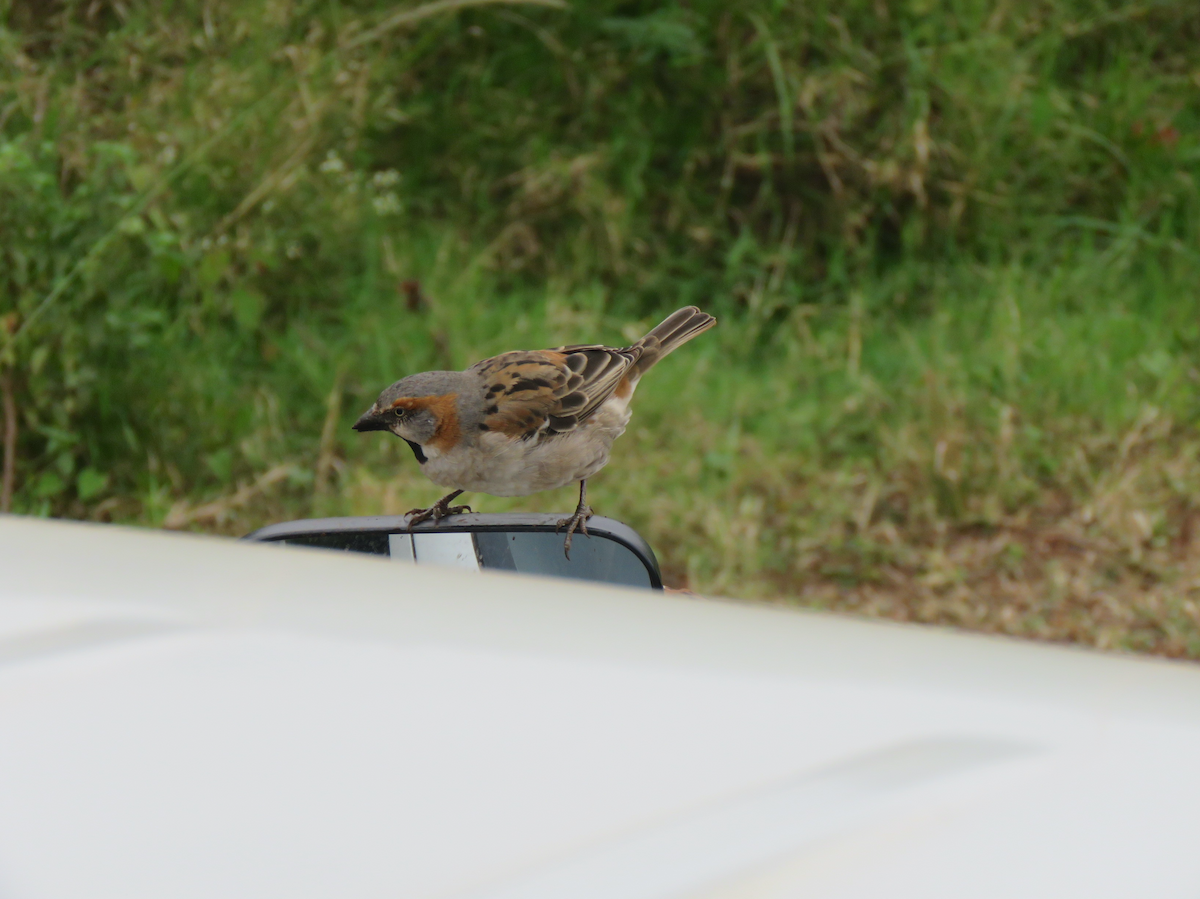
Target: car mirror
611, 553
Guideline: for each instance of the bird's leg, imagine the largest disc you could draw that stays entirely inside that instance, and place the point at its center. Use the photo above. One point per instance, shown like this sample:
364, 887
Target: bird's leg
578, 521
437, 511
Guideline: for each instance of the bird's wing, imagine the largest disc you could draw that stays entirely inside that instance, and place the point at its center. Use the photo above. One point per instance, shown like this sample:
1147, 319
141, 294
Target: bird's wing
527, 392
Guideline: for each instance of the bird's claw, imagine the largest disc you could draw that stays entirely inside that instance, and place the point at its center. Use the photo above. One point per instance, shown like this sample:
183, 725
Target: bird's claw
577, 522
437, 512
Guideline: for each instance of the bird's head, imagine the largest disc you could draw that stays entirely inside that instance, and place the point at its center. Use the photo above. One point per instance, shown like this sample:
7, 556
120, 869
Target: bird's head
421, 409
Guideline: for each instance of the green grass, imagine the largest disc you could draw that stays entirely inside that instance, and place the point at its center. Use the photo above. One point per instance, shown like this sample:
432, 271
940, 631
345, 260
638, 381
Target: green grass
954, 250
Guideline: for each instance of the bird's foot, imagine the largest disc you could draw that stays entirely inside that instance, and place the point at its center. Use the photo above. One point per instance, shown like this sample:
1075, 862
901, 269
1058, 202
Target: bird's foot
439, 510
577, 522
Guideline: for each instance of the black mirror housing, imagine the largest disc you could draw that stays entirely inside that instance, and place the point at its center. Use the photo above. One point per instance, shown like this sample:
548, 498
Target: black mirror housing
613, 553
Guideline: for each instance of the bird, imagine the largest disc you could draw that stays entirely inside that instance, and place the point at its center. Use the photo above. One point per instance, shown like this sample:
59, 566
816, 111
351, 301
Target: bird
524, 421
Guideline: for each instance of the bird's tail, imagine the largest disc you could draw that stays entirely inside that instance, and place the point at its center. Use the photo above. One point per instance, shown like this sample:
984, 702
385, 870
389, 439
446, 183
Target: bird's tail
677, 329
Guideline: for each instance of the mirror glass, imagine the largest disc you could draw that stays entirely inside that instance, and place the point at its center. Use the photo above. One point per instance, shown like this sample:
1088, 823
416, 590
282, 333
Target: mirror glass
597, 557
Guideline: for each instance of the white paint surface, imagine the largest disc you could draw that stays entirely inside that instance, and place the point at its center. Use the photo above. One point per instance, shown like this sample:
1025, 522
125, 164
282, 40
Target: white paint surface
194, 717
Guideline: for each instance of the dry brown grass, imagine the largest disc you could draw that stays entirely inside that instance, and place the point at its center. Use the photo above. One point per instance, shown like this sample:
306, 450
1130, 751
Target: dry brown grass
1114, 565
1048, 574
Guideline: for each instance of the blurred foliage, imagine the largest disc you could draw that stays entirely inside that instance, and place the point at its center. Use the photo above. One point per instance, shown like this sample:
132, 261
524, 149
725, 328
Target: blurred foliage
923, 213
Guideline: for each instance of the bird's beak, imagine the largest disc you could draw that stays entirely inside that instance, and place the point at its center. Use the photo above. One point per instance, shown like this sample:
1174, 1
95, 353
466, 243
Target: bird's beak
370, 421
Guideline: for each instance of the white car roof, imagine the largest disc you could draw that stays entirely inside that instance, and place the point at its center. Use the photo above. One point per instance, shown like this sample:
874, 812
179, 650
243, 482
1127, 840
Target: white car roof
186, 716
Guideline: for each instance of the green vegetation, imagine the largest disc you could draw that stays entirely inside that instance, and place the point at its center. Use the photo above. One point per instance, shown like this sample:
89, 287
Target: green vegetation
955, 250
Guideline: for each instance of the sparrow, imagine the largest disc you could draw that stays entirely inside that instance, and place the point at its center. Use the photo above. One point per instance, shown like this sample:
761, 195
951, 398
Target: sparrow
524, 421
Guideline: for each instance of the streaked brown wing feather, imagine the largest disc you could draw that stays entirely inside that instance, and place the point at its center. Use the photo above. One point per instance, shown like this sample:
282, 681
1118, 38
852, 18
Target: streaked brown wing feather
602, 369
529, 392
